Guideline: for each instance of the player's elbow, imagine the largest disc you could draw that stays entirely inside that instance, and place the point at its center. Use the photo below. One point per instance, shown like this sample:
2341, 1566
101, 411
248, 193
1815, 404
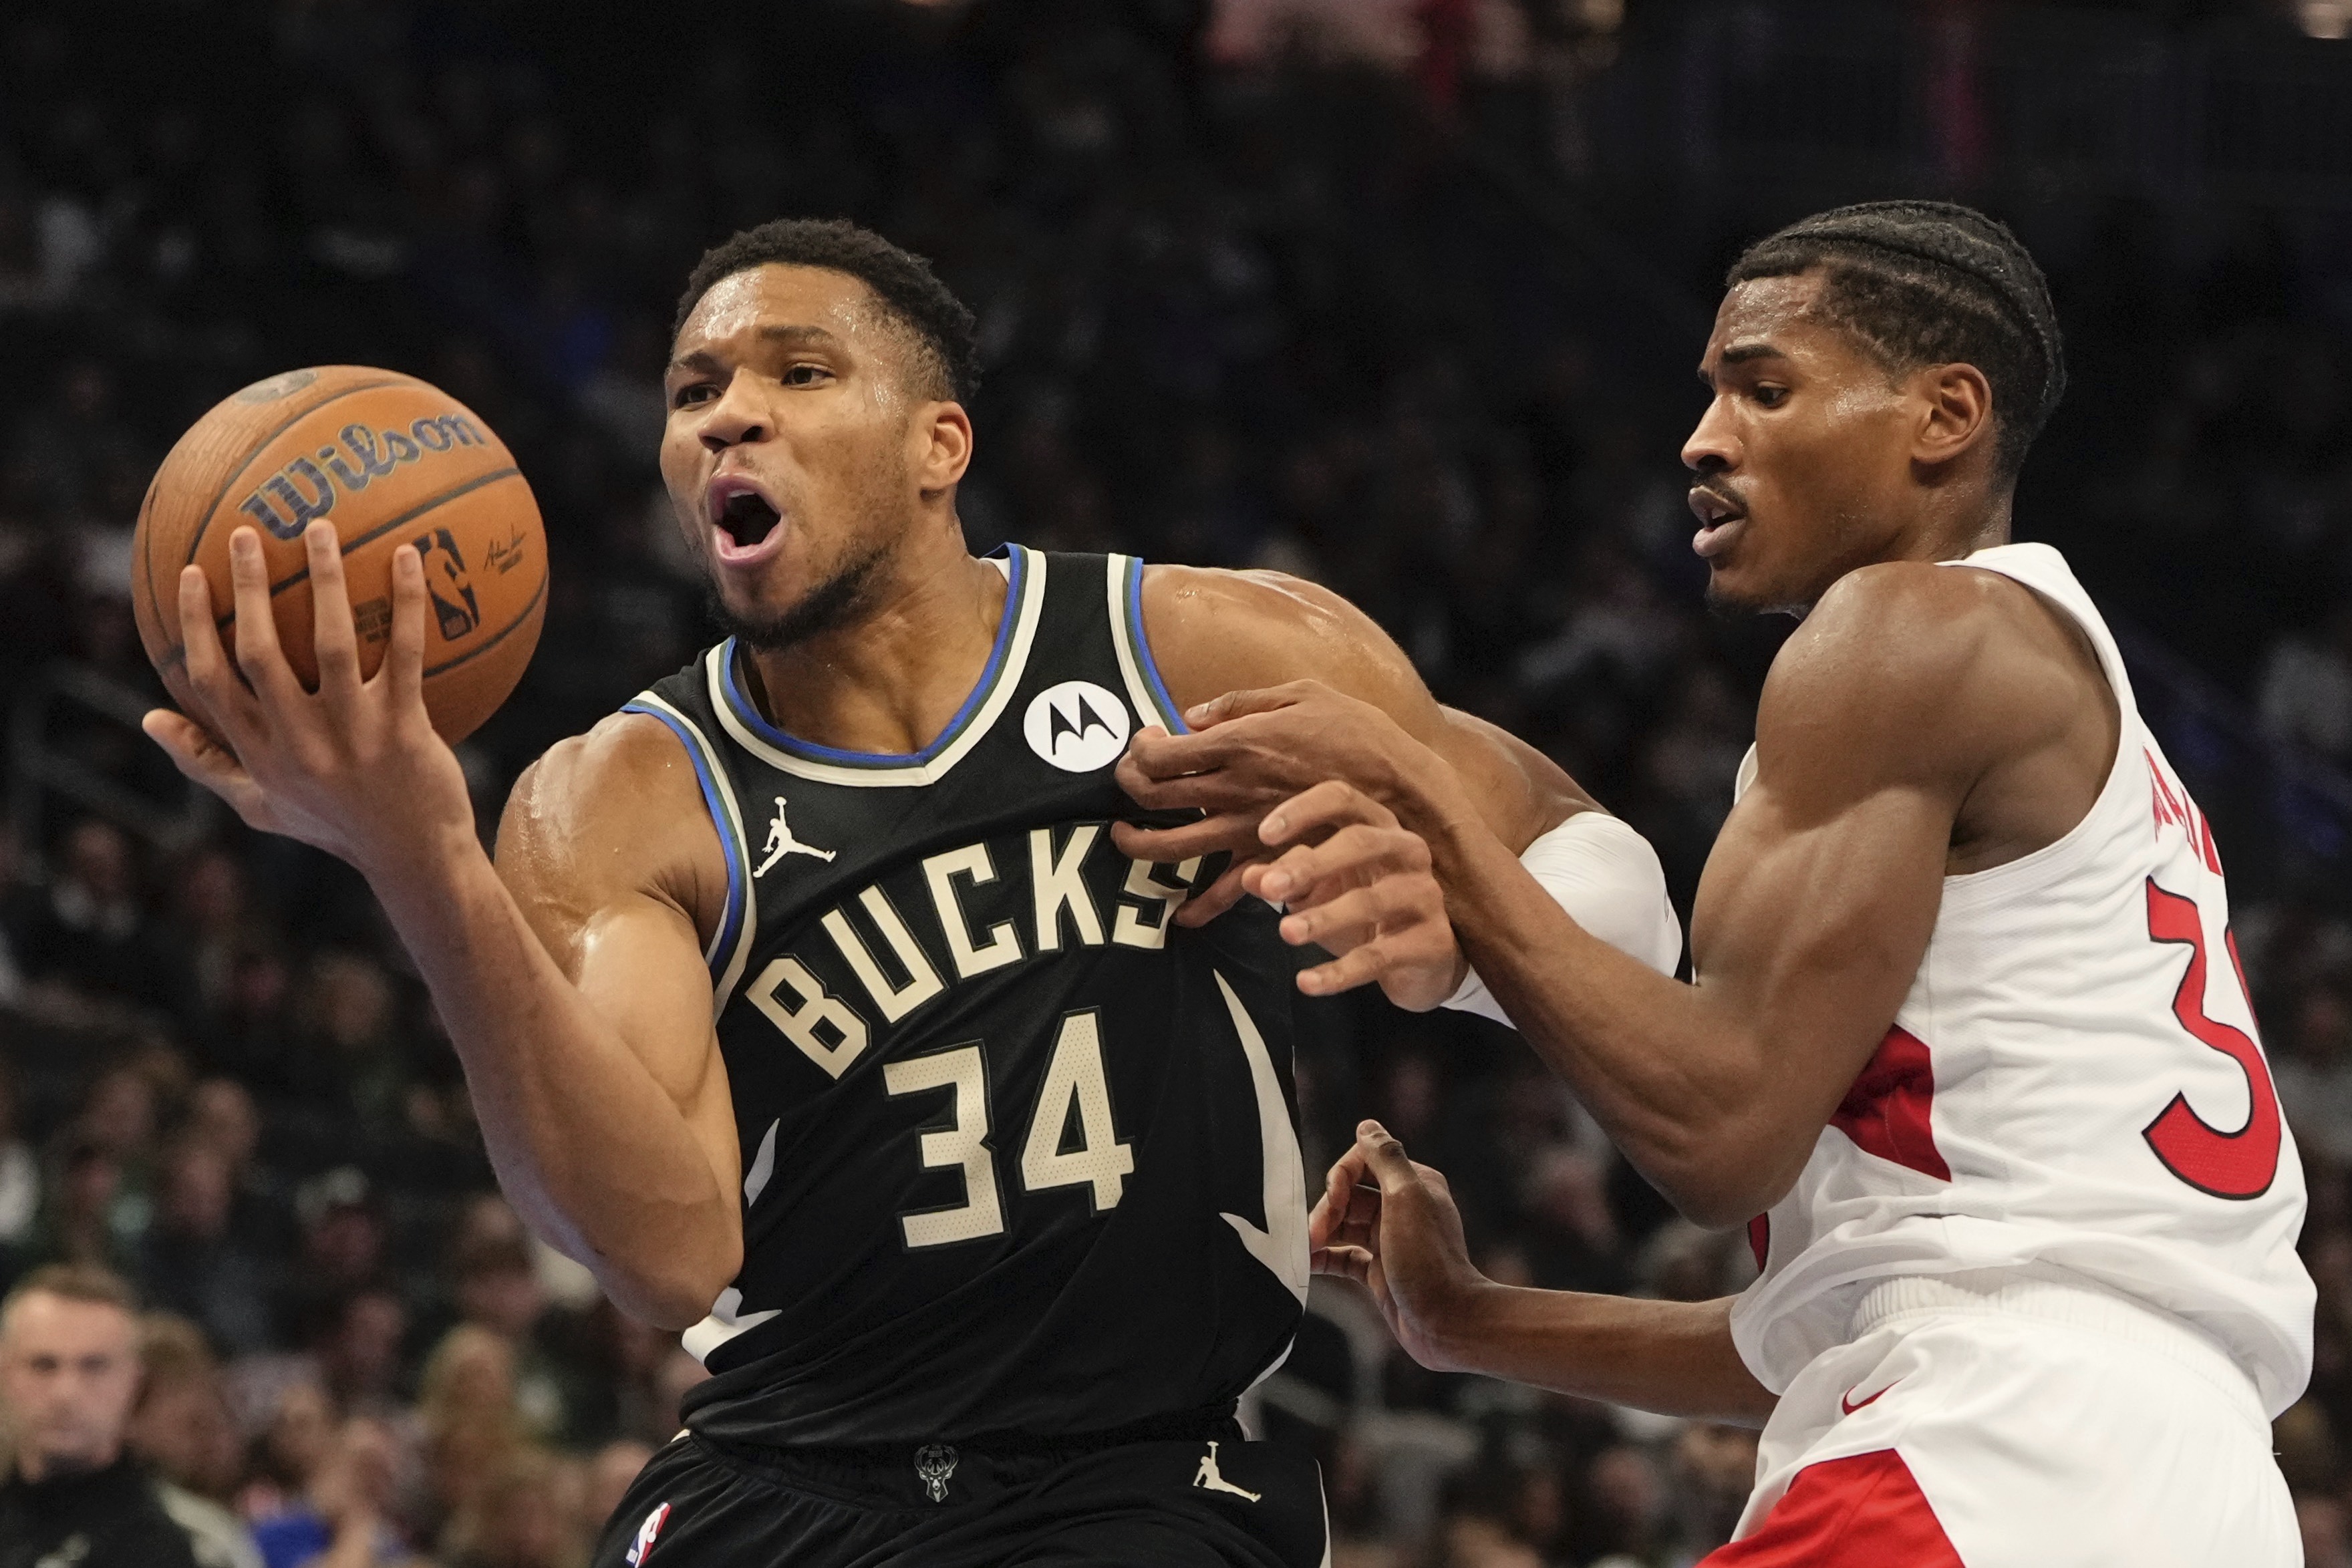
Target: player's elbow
1716, 1177
675, 1299
674, 1286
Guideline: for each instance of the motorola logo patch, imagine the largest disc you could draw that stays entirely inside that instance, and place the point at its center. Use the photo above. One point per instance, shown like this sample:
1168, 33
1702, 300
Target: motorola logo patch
1077, 727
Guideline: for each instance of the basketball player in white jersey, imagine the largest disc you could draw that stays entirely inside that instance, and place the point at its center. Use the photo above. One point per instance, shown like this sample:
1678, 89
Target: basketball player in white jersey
1967, 1038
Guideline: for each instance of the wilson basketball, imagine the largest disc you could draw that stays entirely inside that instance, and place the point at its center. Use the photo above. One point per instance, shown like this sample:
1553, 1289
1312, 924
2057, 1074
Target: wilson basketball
391, 461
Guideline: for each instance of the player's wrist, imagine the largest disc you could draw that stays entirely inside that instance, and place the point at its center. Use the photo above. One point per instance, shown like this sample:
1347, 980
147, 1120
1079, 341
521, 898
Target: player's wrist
1426, 794
1460, 1327
427, 863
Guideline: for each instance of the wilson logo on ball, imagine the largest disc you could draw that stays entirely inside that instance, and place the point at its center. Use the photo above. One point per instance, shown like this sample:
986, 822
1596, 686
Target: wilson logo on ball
304, 490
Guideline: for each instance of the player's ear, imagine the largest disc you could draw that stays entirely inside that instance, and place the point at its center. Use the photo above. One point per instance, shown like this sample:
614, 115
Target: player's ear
1957, 413
942, 434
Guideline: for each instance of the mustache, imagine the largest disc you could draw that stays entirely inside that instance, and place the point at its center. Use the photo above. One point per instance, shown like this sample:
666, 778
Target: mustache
1708, 485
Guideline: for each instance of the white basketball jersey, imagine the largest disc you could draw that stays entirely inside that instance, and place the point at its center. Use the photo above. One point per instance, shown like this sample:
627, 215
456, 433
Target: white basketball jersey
2074, 1081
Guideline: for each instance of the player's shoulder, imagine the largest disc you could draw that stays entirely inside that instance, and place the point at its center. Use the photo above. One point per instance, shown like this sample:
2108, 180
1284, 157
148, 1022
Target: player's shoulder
1199, 598
1214, 630
622, 792
1896, 628
1916, 663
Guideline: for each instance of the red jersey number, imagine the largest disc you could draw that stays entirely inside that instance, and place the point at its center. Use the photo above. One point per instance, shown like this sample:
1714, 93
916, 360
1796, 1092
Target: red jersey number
2239, 1164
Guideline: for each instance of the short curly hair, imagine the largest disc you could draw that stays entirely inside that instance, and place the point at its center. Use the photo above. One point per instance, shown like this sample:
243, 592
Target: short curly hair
1933, 283
942, 328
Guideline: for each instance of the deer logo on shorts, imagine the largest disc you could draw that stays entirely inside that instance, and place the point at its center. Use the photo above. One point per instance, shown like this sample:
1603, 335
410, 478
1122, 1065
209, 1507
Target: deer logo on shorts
935, 1462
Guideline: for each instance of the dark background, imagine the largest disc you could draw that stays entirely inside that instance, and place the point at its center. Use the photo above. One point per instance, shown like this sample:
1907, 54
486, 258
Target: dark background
1403, 297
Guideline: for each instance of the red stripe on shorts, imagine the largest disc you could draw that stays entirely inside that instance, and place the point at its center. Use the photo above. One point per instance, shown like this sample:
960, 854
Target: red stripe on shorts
1863, 1511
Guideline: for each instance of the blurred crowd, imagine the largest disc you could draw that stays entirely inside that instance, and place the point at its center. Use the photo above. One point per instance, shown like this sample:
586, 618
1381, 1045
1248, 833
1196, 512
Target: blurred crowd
1257, 314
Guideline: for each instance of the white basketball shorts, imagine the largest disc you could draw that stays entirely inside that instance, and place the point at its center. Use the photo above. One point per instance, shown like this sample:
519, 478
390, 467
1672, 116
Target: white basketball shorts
2016, 1418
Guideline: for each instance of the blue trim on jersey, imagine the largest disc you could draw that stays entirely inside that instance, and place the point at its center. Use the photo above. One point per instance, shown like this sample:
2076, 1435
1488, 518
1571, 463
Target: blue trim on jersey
750, 713
728, 842
1151, 666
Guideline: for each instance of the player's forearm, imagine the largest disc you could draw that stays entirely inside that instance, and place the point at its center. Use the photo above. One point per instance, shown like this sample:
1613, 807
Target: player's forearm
587, 1144
1673, 1357
1682, 1092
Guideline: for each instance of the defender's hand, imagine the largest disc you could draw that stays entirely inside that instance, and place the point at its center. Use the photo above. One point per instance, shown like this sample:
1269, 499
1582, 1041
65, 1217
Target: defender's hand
1391, 1225
1361, 885
354, 768
1248, 752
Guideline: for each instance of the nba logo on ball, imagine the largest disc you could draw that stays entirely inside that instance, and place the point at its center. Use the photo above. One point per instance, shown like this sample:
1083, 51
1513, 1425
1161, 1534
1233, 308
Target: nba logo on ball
1076, 726
643, 1546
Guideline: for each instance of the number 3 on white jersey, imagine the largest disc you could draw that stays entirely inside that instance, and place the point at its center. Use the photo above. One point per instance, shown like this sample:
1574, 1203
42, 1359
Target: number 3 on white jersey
1100, 1162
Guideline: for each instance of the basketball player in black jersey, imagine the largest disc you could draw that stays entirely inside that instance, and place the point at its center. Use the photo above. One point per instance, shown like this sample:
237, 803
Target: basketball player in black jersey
812, 1003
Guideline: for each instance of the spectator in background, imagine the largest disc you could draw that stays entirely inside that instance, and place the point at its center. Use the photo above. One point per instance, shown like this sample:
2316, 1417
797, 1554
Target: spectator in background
348, 1052
14, 913
1714, 1471
92, 936
358, 1347
183, 1430
211, 926
2313, 1074
20, 1177
86, 1218
69, 1374
192, 1261
471, 1429
344, 1518
296, 1438
2306, 688
609, 1471
343, 1244
523, 1515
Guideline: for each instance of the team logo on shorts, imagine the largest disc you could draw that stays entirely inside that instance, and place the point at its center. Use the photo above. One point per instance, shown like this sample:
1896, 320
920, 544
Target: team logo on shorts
935, 1462
1208, 1477
643, 1546
1077, 727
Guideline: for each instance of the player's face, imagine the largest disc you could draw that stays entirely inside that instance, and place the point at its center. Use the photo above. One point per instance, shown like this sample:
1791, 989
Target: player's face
1801, 462
788, 453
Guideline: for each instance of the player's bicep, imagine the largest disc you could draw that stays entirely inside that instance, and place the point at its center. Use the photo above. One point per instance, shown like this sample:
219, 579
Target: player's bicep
1822, 895
609, 901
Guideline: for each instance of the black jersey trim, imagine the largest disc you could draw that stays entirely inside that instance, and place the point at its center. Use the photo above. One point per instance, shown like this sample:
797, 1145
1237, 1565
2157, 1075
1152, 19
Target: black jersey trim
1017, 632
717, 799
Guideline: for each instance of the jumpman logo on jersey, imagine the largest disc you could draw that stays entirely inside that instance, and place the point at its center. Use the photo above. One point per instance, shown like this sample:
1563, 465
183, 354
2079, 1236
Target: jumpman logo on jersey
780, 843
1207, 1479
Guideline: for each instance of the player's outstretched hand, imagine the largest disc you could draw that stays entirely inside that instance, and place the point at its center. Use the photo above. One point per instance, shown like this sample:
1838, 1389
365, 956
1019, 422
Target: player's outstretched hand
1360, 884
1248, 752
354, 767
1389, 1224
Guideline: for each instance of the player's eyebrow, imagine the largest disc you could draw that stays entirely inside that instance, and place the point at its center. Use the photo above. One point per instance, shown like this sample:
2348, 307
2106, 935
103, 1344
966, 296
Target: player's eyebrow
788, 333
1740, 354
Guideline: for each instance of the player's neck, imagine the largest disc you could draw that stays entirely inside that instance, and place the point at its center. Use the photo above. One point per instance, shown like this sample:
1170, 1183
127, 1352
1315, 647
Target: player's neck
1952, 531
890, 680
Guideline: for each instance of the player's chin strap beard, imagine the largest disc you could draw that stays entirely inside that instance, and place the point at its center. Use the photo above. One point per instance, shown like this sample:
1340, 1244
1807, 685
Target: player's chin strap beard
829, 606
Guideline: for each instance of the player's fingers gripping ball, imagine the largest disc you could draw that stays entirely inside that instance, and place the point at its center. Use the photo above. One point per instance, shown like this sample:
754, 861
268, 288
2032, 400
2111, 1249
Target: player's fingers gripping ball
393, 460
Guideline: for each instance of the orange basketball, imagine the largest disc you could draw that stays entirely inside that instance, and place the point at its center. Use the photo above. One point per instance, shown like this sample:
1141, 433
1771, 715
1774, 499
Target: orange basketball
393, 460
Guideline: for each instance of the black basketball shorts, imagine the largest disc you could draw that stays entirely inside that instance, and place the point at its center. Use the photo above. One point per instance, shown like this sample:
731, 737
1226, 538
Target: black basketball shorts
1207, 1503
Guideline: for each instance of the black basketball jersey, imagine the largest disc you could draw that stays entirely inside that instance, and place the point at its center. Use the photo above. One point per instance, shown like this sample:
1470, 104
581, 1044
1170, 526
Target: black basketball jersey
1018, 1153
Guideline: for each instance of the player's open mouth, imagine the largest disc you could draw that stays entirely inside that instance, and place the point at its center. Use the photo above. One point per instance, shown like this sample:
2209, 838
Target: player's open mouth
1720, 517
746, 525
